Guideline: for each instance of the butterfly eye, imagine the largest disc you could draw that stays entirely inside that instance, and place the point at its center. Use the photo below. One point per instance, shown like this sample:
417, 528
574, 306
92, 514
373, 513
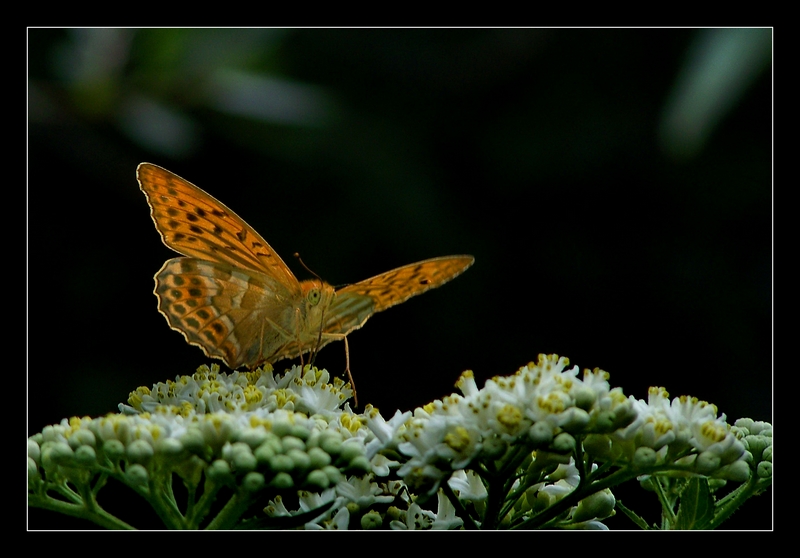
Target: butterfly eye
313, 296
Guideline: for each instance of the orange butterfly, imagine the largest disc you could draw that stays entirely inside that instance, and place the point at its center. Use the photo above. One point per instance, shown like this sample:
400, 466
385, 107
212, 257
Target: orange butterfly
235, 298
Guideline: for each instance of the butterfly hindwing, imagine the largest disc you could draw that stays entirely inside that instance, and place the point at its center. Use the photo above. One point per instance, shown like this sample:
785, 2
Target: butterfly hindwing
239, 316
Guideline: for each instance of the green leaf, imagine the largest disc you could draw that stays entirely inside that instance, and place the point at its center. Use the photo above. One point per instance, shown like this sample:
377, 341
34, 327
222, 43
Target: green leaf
696, 506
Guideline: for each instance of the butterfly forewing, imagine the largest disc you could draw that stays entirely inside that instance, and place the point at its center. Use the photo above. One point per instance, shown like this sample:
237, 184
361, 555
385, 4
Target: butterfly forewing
354, 304
195, 224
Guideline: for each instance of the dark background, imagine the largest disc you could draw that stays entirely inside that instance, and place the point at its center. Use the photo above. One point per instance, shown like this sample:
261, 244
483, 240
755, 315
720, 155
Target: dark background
614, 186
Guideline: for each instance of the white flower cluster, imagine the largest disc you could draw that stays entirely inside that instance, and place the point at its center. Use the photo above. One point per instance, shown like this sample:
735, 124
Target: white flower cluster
534, 422
543, 404
253, 431
685, 433
242, 430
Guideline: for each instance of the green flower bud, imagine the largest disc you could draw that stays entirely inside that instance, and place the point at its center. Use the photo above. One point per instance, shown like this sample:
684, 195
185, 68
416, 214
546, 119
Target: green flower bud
584, 397
733, 453
34, 451
540, 433
738, 471
300, 432
745, 424
281, 429
136, 475
169, 448
33, 474
114, 449
395, 514
604, 422
351, 450
85, 456
193, 441
359, 465
290, 443
624, 415
253, 482
331, 442
716, 484
82, 438
334, 475
599, 505
577, 420
219, 471
762, 428
598, 445
264, 453
61, 454
140, 451
282, 481
540, 502
756, 445
563, 443
244, 460
300, 458
707, 462
317, 481
253, 437
49, 434
318, 458
644, 457
281, 464
371, 520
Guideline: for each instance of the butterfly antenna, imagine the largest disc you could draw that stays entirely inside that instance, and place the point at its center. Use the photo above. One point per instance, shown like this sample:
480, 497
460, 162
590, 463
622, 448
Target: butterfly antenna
299, 259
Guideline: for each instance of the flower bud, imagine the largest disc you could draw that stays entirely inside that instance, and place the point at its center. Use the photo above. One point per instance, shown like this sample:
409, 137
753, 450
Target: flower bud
371, 520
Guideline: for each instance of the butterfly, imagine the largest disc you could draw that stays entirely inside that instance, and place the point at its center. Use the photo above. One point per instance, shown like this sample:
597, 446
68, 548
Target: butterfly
235, 298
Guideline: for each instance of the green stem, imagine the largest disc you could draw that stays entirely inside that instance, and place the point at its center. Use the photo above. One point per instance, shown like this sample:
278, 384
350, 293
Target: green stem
200, 511
232, 512
97, 515
733, 501
583, 490
461, 511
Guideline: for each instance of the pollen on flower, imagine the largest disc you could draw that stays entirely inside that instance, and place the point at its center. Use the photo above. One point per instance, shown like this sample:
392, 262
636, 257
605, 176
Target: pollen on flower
553, 403
714, 431
252, 395
658, 392
349, 422
458, 438
509, 416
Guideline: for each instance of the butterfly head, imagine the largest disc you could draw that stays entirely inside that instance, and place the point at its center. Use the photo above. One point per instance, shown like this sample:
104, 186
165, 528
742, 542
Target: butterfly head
317, 293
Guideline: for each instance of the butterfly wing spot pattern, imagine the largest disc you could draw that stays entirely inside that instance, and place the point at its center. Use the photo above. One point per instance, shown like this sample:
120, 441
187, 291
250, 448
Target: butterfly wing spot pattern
235, 298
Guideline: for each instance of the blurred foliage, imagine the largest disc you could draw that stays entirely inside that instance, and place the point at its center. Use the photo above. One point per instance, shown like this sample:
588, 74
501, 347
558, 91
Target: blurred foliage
614, 186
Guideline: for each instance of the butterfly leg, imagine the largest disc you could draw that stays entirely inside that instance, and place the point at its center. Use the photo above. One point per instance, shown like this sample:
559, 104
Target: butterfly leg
297, 340
317, 347
347, 369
